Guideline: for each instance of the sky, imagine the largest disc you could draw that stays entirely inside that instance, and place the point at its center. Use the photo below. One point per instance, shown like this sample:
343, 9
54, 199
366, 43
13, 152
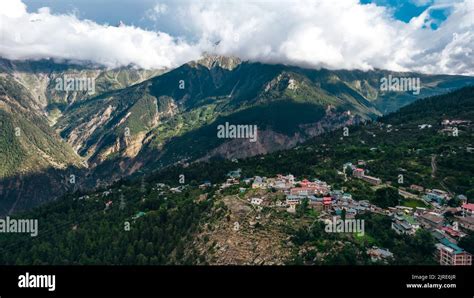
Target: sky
429, 36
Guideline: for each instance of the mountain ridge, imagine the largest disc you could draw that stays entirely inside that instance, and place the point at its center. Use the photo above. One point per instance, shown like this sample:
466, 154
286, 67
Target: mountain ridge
172, 117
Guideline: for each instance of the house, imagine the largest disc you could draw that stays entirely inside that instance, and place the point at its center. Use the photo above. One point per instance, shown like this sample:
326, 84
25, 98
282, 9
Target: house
336, 194
371, 180
379, 254
351, 213
346, 196
462, 198
293, 199
449, 253
234, 174
258, 183
305, 191
417, 188
358, 172
433, 197
206, 184
402, 228
405, 224
467, 209
256, 201
455, 122
440, 193
466, 222
452, 232
327, 201
432, 220
318, 206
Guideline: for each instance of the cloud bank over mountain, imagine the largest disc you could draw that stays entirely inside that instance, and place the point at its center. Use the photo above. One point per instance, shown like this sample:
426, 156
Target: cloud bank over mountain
309, 33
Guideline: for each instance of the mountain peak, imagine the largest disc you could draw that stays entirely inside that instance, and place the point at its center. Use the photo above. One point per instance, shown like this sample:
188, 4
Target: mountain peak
210, 61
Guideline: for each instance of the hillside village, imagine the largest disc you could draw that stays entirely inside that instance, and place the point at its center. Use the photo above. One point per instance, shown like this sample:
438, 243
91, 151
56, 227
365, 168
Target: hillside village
446, 224
287, 194
253, 202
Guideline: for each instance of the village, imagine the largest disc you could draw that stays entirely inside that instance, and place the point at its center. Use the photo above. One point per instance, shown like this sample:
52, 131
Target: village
286, 192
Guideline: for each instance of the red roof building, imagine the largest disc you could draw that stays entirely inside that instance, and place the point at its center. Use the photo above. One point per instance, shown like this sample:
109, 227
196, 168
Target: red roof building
468, 209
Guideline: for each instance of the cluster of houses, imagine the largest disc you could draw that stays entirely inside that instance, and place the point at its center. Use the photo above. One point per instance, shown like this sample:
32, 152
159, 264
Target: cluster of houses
407, 221
450, 127
317, 193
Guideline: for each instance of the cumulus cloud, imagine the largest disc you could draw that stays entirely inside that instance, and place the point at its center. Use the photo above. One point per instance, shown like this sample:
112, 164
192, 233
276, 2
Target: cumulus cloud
42, 34
308, 33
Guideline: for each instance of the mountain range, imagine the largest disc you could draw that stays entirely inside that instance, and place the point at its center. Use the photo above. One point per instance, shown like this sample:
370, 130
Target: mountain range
138, 121
194, 225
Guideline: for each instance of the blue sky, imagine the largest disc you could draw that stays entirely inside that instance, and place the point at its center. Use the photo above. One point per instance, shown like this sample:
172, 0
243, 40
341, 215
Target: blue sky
405, 10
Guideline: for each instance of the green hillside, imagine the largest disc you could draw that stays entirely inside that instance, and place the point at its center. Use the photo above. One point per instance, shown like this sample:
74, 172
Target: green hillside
165, 225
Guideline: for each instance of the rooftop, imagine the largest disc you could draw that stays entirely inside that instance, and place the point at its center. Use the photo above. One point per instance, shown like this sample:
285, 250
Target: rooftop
468, 206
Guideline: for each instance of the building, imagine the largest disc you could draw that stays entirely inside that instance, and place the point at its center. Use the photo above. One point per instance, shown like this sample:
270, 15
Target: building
327, 201
466, 222
462, 198
234, 174
358, 172
379, 254
441, 193
316, 203
449, 253
468, 209
293, 200
452, 232
258, 183
417, 188
371, 180
455, 122
256, 201
432, 220
405, 224
304, 191
205, 184
433, 197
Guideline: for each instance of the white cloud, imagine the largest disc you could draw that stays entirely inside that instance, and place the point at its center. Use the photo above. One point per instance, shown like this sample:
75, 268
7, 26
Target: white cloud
44, 35
157, 10
309, 33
